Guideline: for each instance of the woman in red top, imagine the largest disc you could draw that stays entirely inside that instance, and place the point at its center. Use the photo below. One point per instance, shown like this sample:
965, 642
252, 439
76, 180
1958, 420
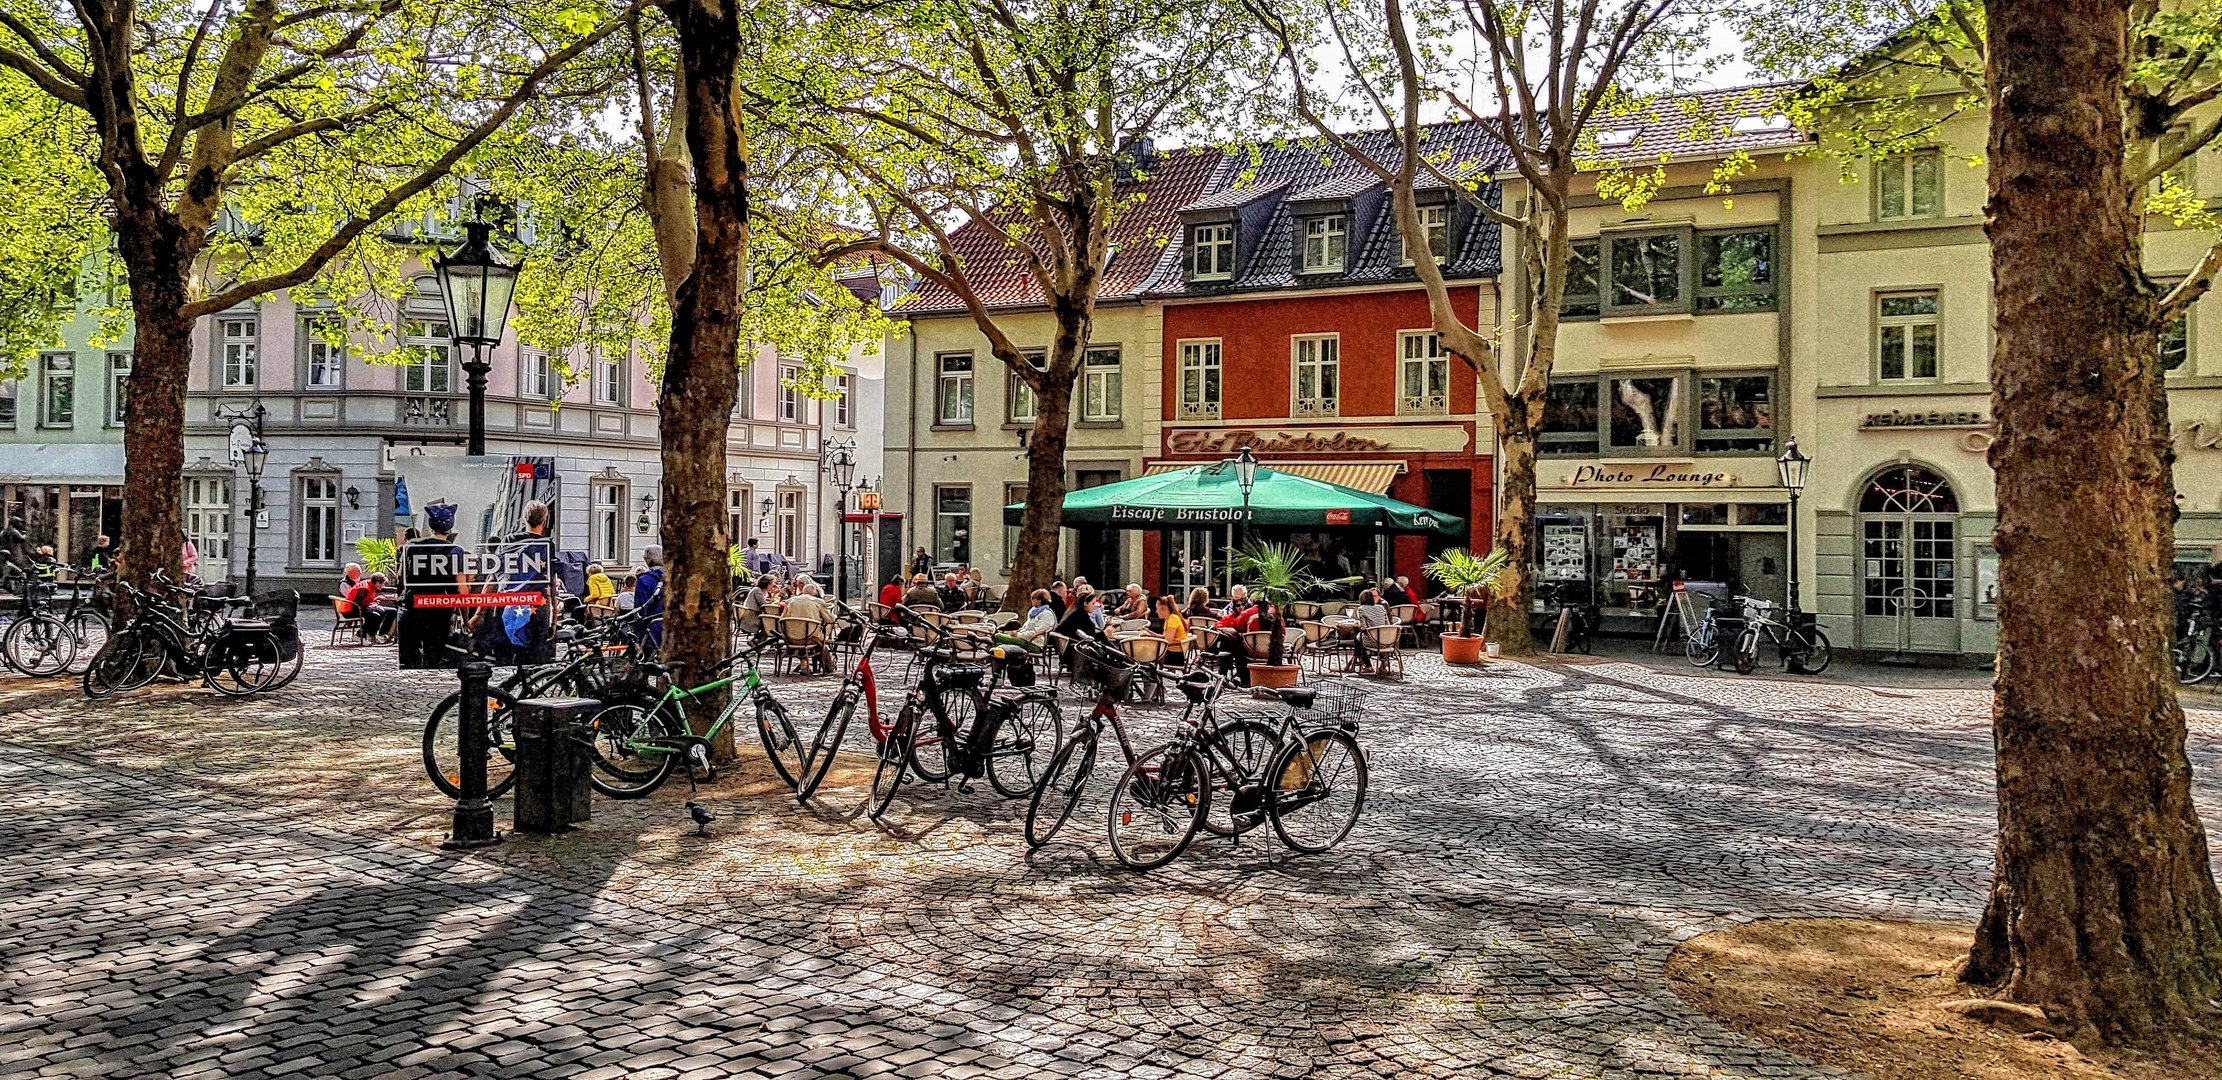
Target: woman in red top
891, 594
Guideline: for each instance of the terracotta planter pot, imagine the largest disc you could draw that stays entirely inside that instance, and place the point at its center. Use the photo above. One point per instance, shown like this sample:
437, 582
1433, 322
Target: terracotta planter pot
1274, 676
1463, 650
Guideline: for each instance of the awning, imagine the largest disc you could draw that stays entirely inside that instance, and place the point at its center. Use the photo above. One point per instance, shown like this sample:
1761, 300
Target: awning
1371, 476
1207, 495
62, 463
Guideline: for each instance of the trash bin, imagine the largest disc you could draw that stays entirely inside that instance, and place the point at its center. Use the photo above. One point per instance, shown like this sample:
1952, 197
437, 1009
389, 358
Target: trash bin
552, 763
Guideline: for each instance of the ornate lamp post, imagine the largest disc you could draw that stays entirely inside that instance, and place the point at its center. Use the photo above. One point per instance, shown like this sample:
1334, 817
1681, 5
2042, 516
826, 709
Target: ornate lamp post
1791, 469
477, 286
257, 457
1245, 477
840, 466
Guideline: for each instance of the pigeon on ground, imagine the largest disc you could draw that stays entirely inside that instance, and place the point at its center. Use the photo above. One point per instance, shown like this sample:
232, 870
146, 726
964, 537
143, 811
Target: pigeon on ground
702, 818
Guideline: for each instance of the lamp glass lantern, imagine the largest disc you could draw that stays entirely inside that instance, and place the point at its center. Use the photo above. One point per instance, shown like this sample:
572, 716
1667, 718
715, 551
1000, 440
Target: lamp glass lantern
477, 286
842, 465
256, 456
1792, 466
1246, 471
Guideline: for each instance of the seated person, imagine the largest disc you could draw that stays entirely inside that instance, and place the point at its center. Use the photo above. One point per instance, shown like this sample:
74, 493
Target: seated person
1199, 606
808, 604
1396, 592
1135, 604
1370, 612
378, 619
952, 593
1041, 618
1175, 628
601, 593
921, 594
891, 594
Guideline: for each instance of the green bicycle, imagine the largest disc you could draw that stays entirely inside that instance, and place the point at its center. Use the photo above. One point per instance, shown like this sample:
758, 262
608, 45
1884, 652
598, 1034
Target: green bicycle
636, 745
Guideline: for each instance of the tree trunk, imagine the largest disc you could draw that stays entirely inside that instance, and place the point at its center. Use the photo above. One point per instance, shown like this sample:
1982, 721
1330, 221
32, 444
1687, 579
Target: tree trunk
1035, 564
1508, 609
153, 537
701, 375
2103, 909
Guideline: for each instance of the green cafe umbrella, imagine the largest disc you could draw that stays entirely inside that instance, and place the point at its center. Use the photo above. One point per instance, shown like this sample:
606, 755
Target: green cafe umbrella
1208, 495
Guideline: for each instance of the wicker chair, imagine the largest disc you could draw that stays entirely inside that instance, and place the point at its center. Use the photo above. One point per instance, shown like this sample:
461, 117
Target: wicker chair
1148, 651
800, 639
343, 620
1414, 623
1321, 643
1383, 645
1303, 611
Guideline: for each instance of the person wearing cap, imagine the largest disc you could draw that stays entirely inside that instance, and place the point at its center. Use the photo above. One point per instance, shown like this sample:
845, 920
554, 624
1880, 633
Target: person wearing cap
425, 632
921, 593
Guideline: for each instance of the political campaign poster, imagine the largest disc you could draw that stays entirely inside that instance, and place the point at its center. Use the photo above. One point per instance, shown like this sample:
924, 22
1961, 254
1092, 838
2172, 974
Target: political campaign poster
478, 561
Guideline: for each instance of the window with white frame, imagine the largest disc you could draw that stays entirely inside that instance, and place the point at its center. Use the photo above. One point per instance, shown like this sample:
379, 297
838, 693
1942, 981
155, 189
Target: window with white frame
1326, 241
7, 403
606, 523
119, 387
1199, 380
1906, 326
239, 351
607, 373
953, 523
1024, 407
1435, 224
1100, 386
844, 402
208, 515
57, 390
1318, 362
1909, 186
322, 362
736, 515
790, 397
430, 368
787, 530
1423, 373
318, 514
953, 390
536, 375
1211, 252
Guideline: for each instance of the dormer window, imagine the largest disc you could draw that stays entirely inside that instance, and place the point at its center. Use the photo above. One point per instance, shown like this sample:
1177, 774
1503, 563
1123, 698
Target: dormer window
1326, 241
1617, 138
1211, 252
1435, 222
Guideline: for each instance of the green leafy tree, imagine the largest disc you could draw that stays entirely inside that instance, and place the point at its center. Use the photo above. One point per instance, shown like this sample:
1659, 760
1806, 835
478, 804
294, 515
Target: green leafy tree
247, 146
1009, 118
2103, 909
49, 254
1556, 74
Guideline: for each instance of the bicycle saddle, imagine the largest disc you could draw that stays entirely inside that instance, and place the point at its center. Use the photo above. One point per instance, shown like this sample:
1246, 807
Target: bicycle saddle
659, 669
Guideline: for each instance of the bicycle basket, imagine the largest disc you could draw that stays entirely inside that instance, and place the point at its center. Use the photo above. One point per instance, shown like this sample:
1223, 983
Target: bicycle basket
1336, 700
280, 606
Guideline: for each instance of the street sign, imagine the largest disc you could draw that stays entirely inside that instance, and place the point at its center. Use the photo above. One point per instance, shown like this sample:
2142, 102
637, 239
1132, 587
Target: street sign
479, 578
868, 500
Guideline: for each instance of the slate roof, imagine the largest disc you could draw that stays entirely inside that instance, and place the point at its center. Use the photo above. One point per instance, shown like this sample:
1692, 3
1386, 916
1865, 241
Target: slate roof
999, 275
1699, 126
1262, 183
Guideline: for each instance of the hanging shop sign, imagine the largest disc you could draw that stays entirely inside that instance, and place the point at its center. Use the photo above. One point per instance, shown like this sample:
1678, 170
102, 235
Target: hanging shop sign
1933, 418
1282, 441
1660, 474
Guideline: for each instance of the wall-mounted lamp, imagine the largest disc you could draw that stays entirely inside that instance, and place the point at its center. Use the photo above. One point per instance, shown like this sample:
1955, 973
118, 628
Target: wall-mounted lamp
764, 514
354, 497
642, 523
1022, 438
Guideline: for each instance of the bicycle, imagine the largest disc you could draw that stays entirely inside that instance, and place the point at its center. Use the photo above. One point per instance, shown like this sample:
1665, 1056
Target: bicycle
1721, 623
232, 656
1803, 649
45, 640
945, 699
1067, 775
600, 663
635, 749
860, 685
2193, 651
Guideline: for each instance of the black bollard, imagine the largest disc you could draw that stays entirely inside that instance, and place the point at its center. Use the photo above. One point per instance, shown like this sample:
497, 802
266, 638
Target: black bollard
473, 826
553, 792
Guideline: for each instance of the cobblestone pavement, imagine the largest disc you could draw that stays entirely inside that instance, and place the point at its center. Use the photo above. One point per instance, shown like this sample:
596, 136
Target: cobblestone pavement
203, 886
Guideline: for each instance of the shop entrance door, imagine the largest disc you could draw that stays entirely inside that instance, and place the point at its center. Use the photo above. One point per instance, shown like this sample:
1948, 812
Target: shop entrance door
1096, 551
1909, 543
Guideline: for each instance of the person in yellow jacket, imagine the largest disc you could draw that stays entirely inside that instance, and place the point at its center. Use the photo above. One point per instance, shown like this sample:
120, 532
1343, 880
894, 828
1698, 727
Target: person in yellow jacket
601, 593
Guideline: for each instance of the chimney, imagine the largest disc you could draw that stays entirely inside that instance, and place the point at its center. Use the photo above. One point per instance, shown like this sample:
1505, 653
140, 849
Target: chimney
1135, 152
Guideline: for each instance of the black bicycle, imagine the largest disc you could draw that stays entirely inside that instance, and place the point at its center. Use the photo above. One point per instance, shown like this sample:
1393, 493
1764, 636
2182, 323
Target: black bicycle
2193, 652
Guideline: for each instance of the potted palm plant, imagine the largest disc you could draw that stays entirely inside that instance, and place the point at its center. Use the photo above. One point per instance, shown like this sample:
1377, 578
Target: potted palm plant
1469, 577
1277, 574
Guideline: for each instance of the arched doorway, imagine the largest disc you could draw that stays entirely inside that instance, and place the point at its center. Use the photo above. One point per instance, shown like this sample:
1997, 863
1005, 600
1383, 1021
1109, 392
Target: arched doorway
1909, 523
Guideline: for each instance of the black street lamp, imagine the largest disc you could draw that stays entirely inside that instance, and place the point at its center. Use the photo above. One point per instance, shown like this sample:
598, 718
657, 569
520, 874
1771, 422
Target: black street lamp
1791, 469
477, 286
254, 455
1245, 477
840, 466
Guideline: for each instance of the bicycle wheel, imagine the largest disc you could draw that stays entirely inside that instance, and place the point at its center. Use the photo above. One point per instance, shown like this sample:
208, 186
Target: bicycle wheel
1024, 744
825, 743
244, 664
1160, 801
1318, 790
90, 629
627, 763
39, 645
1817, 653
116, 664
2194, 658
895, 755
443, 751
156, 647
1061, 785
1247, 746
1747, 650
1704, 647
937, 731
781, 744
